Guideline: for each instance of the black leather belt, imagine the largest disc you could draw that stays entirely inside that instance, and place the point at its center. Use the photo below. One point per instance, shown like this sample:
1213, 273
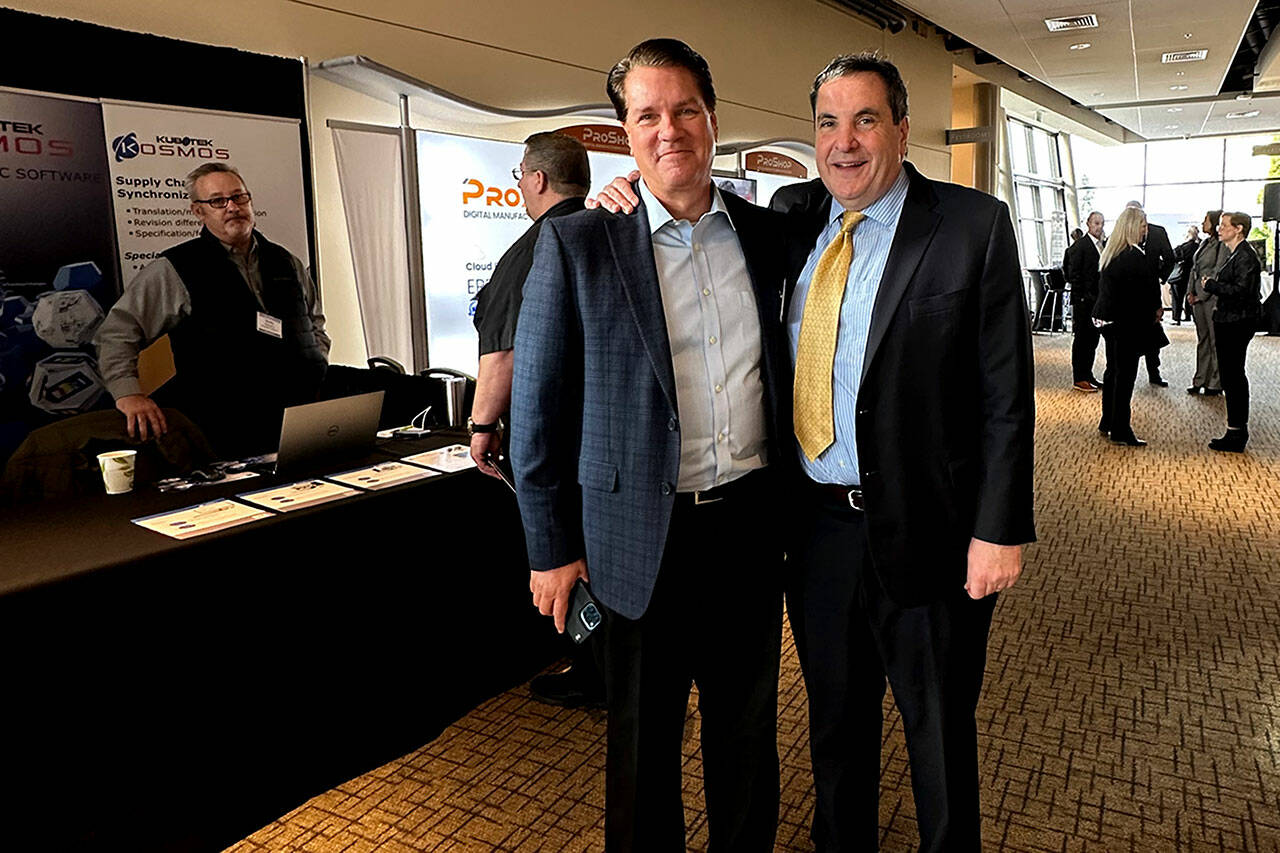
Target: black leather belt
741, 486
846, 496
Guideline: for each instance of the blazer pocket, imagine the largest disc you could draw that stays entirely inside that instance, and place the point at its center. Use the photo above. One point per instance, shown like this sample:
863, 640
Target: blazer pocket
600, 476
937, 304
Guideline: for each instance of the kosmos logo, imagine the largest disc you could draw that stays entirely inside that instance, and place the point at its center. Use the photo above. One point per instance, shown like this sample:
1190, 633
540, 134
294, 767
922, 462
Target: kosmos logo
127, 146
25, 137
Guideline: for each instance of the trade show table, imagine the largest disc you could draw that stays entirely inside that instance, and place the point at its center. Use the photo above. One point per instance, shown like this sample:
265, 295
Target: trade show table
177, 695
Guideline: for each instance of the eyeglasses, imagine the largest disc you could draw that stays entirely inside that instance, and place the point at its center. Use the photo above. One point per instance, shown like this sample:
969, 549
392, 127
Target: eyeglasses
519, 172
241, 199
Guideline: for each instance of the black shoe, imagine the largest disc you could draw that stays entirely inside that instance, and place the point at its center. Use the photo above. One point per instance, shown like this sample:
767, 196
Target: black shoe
1157, 380
1131, 440
1212, 392
1232, 442
1095, 383
1196, 389
568, 689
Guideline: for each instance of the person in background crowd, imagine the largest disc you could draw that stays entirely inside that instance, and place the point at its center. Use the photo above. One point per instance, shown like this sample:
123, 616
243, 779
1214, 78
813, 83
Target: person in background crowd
1183, 254
1076, 234
1238, 287
553, 178
242, 315
1159, 253
1128, 303
1080, 268
1209, 256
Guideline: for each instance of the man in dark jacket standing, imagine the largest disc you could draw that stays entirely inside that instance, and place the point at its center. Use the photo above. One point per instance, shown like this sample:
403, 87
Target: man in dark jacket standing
1080, 267
1160, 253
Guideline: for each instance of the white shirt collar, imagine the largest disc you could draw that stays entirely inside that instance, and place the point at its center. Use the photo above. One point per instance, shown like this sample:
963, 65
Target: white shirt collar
660, 216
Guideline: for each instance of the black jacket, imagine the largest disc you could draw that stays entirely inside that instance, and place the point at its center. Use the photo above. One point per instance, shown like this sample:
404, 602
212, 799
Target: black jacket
1129, 293
1080, 267
1159, 250
945, 408
1183, 255
1238, 286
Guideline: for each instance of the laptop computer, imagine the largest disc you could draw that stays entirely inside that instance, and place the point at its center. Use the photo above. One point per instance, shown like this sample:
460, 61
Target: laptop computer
329, 429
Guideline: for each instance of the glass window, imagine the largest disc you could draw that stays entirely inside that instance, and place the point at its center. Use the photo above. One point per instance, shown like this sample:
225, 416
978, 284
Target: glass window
1188, 201
1108, 201
1044, 147
1184, 160
1244, 196
1032, 251
1106, 165
1240, 162
1018, 153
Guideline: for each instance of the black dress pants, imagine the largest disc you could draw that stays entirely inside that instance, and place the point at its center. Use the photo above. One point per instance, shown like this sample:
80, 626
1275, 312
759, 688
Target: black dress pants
1118, 380
851, 638
715, 619
1232, 340
1084, 340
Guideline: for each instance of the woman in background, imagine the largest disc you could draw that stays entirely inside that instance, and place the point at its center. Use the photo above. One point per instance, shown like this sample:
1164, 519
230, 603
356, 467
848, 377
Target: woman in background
1238, 286
1128, 302
1183, 255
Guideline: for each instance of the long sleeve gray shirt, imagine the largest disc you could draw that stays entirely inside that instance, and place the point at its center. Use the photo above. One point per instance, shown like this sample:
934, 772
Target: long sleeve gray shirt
156, 301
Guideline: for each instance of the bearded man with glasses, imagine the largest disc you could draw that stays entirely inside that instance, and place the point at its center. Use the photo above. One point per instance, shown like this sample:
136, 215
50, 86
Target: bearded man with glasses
243, 318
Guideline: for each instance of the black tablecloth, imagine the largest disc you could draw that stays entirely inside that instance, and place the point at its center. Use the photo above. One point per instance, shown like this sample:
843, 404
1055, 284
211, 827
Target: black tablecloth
173, 695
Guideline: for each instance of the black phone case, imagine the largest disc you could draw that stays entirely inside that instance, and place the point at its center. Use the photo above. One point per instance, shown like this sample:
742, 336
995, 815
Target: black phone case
578, 628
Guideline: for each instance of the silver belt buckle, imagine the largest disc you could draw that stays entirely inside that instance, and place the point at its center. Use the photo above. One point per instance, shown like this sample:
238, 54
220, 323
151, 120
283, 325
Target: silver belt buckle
699, 500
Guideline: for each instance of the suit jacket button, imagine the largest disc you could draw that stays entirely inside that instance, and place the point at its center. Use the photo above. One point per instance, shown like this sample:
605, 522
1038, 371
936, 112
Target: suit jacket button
671, 425
666, 488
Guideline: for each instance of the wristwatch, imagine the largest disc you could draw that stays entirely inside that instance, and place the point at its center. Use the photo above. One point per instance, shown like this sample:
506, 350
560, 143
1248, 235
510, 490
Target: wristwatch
474, 428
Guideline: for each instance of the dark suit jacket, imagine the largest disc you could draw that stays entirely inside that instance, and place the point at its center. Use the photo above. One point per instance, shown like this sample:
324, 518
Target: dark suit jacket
1080, 267
1238, 286
1129, 296
946, 409
1159, 250
595, 432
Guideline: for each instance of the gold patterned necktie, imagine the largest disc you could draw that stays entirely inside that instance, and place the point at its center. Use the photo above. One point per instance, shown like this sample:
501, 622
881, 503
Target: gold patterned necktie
814, 418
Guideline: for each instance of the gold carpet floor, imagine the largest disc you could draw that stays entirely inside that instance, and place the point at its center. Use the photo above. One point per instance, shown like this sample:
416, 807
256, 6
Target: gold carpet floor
1132, 700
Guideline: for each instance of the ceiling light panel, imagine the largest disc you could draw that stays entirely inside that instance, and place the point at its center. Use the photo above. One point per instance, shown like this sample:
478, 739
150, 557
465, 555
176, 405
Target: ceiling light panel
1072, 22
1185, 55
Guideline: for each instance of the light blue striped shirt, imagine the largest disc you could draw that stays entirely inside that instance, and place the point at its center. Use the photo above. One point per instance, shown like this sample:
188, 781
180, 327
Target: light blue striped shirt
714, 331
871, 242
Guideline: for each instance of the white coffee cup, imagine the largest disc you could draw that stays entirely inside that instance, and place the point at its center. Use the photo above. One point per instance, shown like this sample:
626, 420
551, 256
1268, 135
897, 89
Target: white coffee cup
117, 470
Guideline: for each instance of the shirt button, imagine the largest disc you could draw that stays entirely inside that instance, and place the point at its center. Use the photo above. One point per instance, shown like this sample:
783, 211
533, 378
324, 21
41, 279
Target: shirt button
697, 247
706, 292
720, 437
841, 463
719, 388
712, 339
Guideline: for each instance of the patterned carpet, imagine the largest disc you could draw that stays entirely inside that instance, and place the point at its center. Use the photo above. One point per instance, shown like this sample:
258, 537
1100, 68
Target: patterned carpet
1132, 699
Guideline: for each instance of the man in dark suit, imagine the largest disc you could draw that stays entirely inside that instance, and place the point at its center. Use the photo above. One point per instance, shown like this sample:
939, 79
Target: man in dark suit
645, 421
916, 441
1160, 253
1080, 267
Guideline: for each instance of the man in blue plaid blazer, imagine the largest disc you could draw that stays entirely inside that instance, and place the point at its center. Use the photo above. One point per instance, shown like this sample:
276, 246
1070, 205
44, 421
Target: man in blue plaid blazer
646, 409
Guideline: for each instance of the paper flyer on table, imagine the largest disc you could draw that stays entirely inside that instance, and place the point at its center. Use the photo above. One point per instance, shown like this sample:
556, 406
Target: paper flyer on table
455, 457
381, 476
298, 495
198, 520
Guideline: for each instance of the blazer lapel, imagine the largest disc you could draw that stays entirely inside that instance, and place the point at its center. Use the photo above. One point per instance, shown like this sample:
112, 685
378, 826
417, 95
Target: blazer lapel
632, 248
916, 227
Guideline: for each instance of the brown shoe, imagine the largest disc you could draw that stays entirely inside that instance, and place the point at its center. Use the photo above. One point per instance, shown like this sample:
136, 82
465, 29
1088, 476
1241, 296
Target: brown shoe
1084, 385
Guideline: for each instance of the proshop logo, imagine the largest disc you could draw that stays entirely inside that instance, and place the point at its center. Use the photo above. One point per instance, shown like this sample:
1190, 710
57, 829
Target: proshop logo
492, 195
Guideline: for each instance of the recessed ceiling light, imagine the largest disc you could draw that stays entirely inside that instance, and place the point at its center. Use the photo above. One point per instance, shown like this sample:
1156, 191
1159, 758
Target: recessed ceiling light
1244, 96
1184, 55
1180, 74
1071, 22
1175, 109
1244, 114
1172, 126
1181, 87
1098, 94
1186, 35
1084, 45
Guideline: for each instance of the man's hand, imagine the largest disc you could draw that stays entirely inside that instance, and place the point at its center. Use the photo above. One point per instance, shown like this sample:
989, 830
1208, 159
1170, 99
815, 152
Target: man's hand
484, 445
618, 195
143, 417
992, 567
553, 588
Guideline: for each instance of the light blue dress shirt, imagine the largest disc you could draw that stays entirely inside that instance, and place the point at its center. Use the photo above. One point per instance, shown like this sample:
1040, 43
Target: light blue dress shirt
871, 243
714, 331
